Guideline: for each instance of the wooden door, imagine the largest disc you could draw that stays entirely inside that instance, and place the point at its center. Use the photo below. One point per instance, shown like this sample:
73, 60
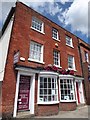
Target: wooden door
24, 93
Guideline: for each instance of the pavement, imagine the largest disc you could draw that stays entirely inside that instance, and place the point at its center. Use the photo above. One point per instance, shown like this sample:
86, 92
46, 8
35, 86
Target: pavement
80, 112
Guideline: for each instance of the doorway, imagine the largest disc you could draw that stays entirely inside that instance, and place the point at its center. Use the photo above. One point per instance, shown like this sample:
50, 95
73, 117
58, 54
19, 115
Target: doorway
78, 96
80, 93
24, 93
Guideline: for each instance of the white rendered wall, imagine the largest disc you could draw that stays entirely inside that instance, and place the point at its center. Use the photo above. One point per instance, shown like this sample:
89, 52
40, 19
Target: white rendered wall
4, 45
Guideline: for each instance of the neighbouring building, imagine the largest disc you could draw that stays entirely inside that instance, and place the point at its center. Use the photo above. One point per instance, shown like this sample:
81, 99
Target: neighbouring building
85, 60
42, 65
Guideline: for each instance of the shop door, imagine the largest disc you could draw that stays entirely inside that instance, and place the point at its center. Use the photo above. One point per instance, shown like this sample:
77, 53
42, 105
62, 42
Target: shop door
78, 96
24, 93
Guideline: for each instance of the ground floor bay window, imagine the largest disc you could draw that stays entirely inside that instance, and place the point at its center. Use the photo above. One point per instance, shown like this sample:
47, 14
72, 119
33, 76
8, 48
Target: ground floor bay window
47, 89
67, 89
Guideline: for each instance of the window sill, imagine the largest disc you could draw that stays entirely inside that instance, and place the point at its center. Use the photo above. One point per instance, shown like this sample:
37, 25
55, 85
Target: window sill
72, 69
44, 103
32, 60
69, 46
67, 101
56, 39
38, 30
58, 66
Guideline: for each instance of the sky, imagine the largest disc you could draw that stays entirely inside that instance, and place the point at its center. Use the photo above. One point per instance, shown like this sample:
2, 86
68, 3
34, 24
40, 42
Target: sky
69, 14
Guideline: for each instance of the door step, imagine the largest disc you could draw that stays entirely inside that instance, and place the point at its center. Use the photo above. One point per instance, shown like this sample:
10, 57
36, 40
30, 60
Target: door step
24, 114
81, 105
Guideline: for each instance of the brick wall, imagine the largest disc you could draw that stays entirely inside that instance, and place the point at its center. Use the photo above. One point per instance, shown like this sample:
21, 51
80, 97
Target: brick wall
86, 82
24, 34
67, 106
45, 110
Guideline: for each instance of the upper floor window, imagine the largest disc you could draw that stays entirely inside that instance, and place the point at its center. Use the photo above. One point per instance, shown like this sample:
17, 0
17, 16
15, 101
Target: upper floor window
56, 57
69, 41
37, 24
36, 52
55, 33
86, 57
71, 62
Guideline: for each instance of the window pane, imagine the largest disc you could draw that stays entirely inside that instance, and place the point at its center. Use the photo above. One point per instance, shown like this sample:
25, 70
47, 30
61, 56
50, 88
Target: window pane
45, 85
45, 91
41, 91
49, 85
41, 85
49, 91
45, 80
49, 98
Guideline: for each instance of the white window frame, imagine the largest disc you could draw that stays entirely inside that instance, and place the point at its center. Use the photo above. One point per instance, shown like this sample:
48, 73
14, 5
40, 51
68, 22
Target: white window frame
73, 82
39, 21
35, 60
58, 58
86, 56
47, 76
54, 29
70, 39
73, 60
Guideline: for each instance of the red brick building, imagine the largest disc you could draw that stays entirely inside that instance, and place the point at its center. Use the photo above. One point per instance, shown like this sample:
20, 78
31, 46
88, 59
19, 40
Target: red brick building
85, 59
43, 72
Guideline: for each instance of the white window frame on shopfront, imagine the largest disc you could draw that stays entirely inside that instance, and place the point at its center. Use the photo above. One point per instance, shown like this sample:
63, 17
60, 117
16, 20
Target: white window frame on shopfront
67, 89
37, 25
47, 89
56, 58
36, 52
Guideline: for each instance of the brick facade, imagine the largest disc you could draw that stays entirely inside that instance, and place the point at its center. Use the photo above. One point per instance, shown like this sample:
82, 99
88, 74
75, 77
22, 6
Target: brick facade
21, 36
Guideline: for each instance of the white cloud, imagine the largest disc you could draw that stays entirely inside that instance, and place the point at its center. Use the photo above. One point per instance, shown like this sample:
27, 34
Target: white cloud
77, 16
64, 1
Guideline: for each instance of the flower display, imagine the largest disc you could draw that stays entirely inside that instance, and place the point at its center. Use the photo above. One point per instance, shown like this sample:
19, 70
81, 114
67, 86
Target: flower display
58, 70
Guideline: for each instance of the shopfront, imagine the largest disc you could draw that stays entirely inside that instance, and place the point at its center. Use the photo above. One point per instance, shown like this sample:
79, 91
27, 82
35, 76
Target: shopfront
47, 93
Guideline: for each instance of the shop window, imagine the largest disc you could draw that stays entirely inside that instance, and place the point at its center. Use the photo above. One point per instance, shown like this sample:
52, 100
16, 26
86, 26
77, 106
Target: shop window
48, 89
67, 92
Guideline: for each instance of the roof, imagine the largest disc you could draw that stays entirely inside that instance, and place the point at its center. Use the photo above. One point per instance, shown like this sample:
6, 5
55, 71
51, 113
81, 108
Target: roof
7, 21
